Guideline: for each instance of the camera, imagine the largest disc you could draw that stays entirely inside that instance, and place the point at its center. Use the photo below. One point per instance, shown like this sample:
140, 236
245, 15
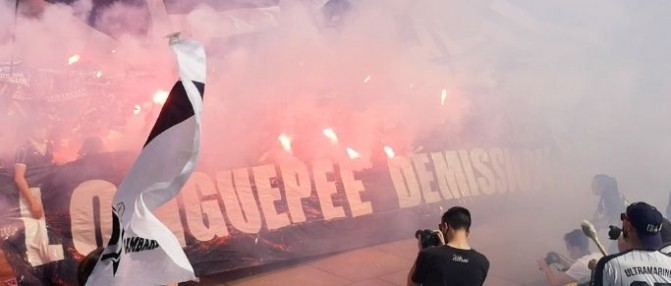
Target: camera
553, 258
614, 232
428, 238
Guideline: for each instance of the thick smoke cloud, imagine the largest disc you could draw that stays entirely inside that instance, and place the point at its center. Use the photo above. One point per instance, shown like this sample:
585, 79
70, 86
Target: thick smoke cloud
587, 81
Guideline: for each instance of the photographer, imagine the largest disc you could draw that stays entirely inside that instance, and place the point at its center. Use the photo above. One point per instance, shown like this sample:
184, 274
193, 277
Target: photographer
577, 247
642, 263
452, 264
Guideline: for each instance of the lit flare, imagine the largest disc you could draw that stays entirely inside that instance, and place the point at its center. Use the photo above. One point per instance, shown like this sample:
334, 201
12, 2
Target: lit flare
331, 135
285, 141
73, 59
353, 154
390, 152
160, 96
443, 96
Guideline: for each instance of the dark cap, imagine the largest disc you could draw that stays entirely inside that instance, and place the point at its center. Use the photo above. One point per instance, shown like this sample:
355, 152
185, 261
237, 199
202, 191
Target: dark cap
647, 221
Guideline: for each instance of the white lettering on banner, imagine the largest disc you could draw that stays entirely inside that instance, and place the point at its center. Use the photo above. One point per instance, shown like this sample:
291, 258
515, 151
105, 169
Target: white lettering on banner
455, 169
326, 189
82, 214
498, 159
235, 190
514, 164
425, 178
282, 190
353, 189
268, 196
447, 176
405, 182
38, 249
297, 186
486, 182
470, 174
201, 203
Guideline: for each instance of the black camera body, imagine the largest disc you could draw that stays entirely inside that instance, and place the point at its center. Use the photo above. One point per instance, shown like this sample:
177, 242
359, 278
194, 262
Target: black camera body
614, 232
427, 238
553, 258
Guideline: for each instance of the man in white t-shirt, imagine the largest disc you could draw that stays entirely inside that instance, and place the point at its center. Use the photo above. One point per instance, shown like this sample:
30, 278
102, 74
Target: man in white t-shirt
642, 263
577, 247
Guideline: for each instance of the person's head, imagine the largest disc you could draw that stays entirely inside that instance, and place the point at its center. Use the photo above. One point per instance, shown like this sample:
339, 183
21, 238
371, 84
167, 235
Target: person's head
603, 185
86, 266
455, 220
641, 226
576, 244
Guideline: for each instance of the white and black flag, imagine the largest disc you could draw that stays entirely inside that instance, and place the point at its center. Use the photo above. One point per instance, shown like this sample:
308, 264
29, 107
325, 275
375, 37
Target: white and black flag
143, 251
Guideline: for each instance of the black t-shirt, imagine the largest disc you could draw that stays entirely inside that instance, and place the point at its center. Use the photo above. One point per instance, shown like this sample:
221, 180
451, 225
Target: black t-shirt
38, 165
449, 266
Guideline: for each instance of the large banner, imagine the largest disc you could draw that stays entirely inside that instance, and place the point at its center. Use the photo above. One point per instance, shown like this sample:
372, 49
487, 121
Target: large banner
233, 219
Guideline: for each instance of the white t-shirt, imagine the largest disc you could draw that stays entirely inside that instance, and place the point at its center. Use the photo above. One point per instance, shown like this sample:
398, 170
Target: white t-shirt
666, 249
634, 267
579, 270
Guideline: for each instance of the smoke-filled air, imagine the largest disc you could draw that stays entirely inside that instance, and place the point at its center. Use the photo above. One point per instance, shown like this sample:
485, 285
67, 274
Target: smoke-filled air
530, 98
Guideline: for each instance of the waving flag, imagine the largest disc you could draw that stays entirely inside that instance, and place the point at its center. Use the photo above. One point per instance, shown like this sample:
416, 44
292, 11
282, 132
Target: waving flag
143, 251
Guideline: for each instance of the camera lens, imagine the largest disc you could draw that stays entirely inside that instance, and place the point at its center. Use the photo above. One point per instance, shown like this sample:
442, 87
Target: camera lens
614, 232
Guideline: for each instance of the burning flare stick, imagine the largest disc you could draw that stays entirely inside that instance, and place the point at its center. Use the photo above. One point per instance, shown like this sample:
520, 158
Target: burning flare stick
353, 154
390, 152
73, 59
443, 96
285, 141
331, 135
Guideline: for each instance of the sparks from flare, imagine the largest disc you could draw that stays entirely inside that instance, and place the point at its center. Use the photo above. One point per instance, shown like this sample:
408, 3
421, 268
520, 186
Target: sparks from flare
73, 59
331, 135
443, 96
160, 96
390, 152
285, 141
353, 154
367, 79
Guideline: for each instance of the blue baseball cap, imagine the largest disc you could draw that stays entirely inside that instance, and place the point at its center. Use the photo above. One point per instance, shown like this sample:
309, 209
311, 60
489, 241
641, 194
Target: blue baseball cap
647, 221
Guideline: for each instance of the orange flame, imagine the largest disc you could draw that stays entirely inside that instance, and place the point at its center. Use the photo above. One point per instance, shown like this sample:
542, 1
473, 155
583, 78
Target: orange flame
331, 135
73, 59
285, 141
443, 96
353, 154
160, 96
390, 152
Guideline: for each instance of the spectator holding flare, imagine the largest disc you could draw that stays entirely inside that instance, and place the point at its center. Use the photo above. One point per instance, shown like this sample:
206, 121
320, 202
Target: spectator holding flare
577, 247
643, 263
452, 264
